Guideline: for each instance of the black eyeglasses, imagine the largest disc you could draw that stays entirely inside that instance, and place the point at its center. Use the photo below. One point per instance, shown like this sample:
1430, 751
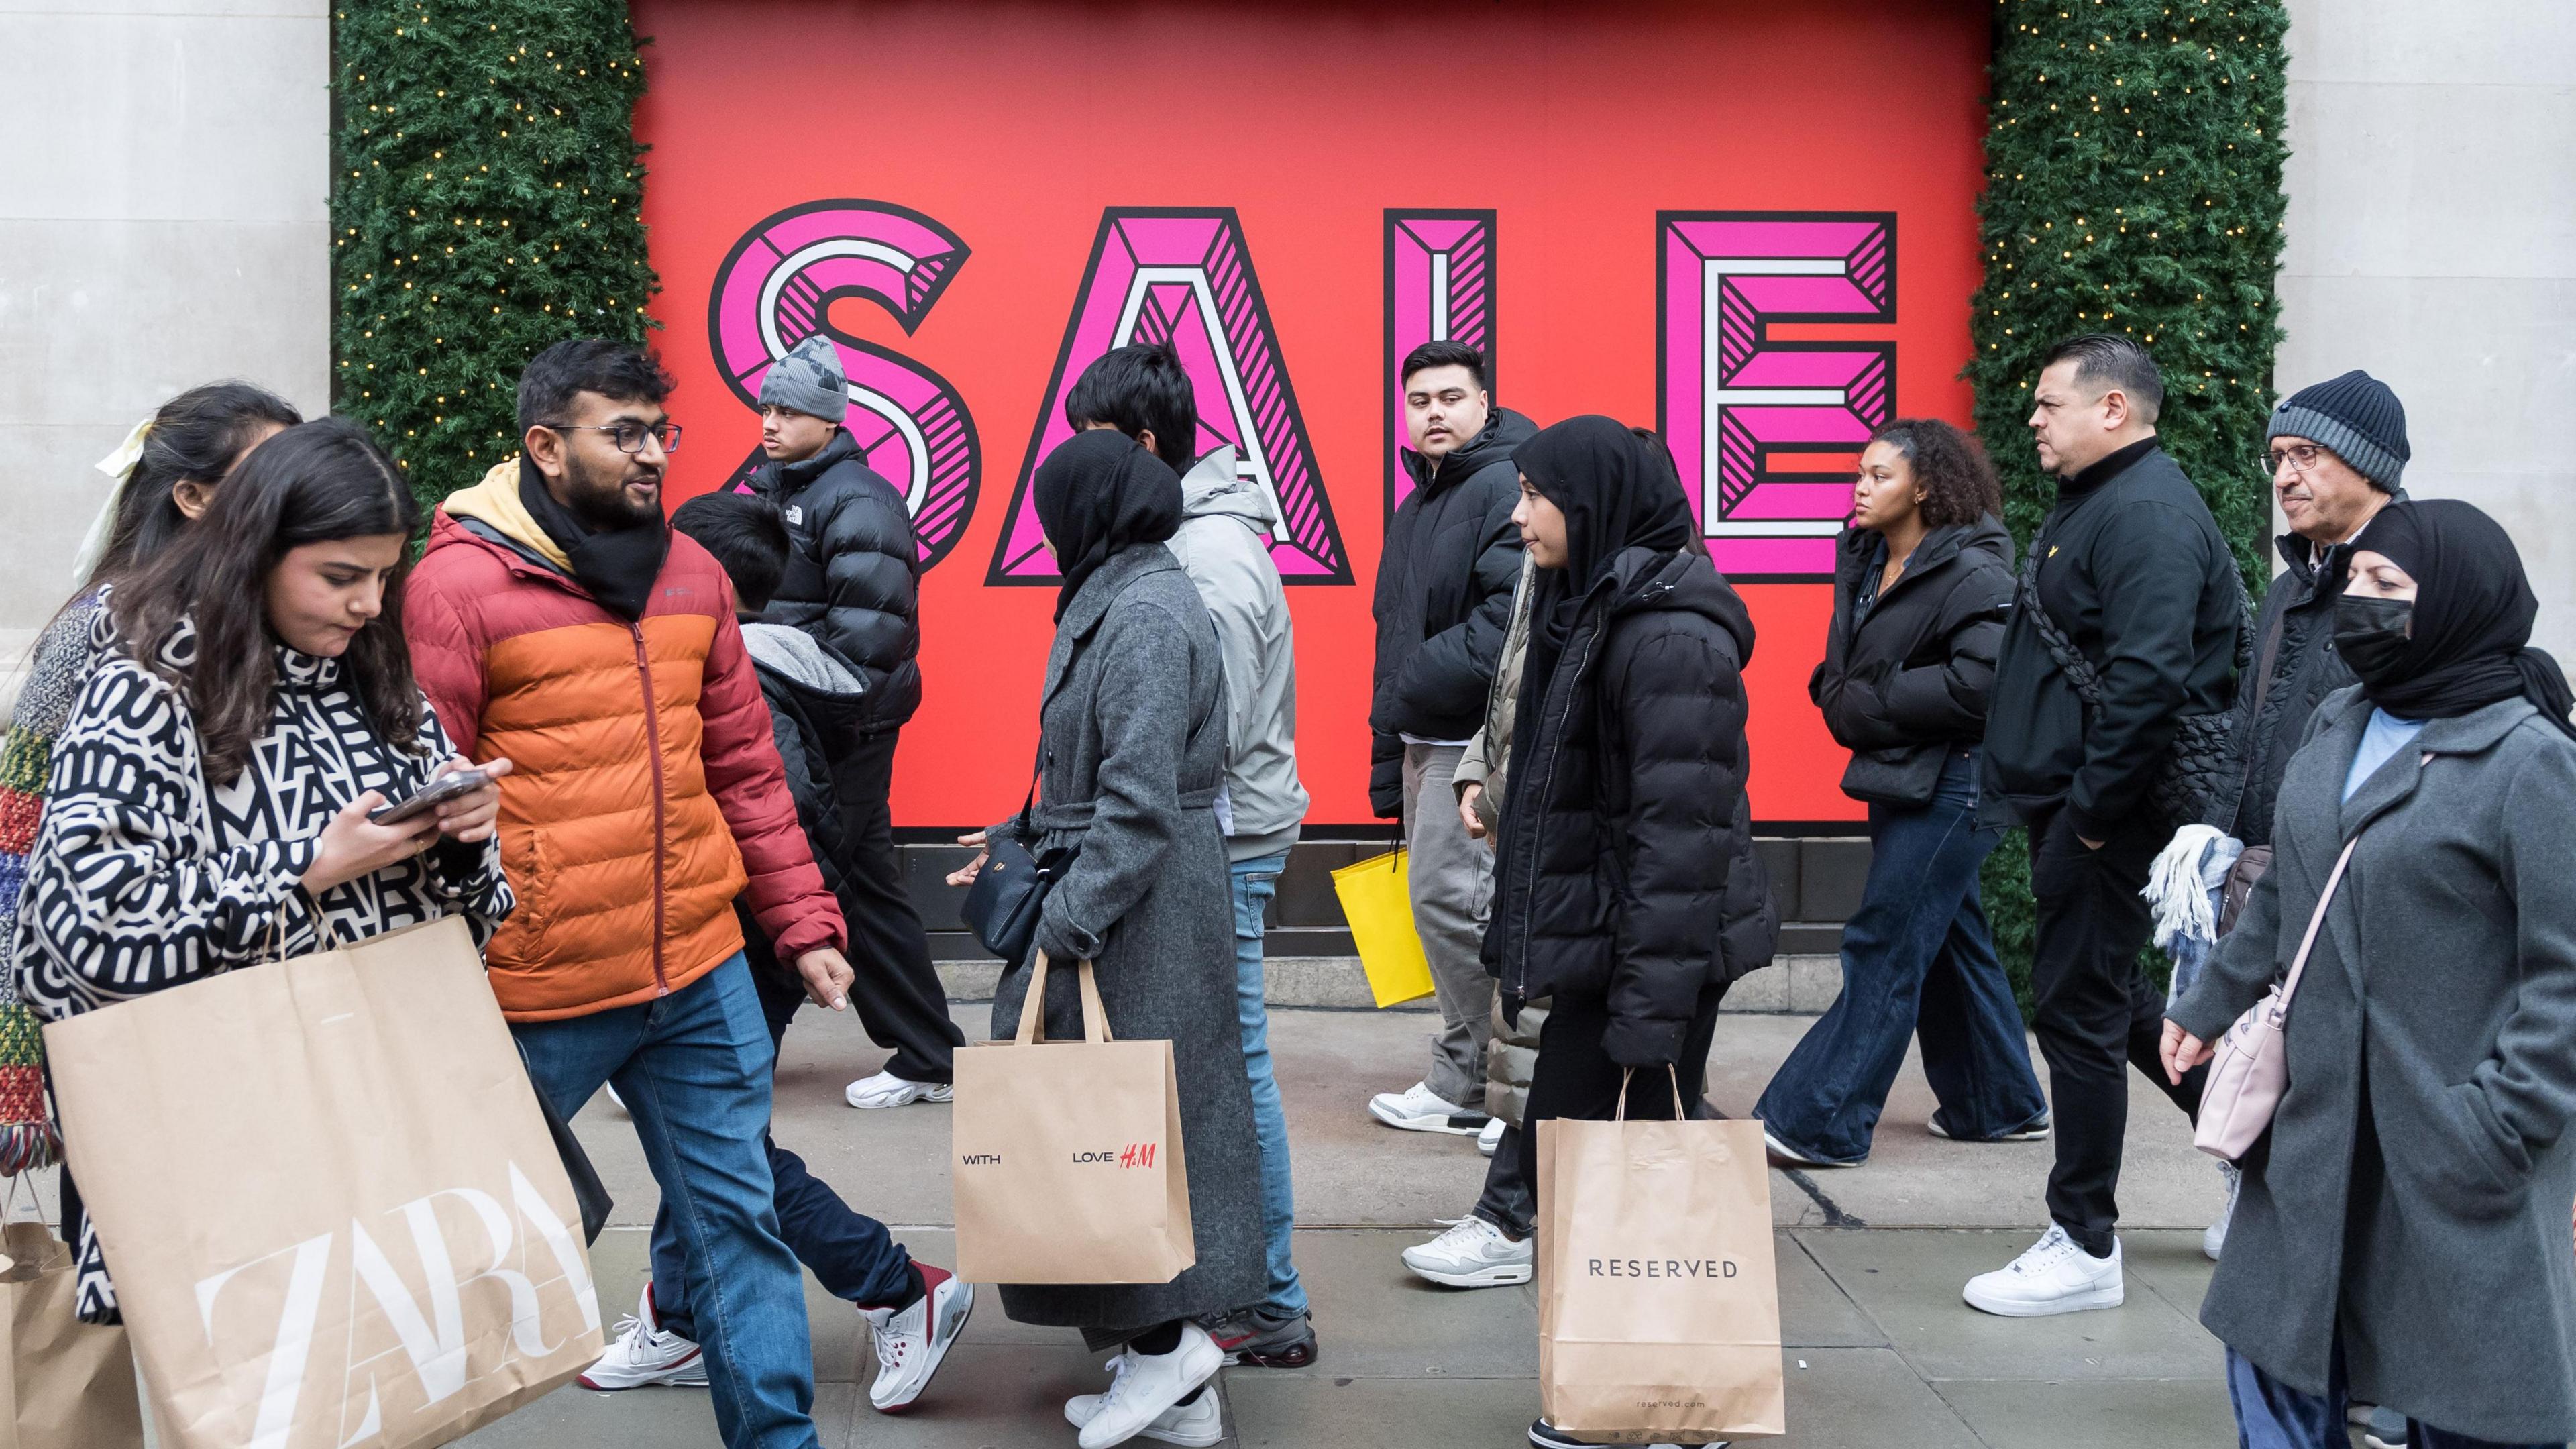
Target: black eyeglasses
629, 437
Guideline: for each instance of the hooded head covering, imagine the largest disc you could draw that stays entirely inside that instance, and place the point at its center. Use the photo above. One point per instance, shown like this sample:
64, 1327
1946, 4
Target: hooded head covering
2471, 621
1100, 492
1617, 489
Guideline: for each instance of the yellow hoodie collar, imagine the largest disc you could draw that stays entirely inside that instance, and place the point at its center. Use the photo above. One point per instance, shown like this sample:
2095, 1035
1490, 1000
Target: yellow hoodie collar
495, 501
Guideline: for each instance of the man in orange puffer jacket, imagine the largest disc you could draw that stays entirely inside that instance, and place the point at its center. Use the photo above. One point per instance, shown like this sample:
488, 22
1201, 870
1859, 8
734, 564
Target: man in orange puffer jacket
557, 620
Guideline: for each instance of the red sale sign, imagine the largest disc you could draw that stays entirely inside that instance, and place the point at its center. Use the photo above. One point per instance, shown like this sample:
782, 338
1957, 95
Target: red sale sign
1700, 217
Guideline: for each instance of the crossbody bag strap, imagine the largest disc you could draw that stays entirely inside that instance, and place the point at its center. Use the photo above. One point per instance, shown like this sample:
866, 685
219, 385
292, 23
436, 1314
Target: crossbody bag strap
2079, 670
2308, 942
2254, 719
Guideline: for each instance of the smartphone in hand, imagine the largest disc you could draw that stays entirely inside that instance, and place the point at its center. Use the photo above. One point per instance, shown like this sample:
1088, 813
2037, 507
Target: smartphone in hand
436, 793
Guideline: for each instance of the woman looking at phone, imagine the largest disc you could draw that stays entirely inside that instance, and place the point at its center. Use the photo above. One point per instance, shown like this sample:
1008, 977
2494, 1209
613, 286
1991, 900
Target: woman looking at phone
209, 796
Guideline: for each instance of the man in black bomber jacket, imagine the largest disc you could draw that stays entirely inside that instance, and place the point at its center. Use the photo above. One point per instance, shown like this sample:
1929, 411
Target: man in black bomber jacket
852, 584
2132, 567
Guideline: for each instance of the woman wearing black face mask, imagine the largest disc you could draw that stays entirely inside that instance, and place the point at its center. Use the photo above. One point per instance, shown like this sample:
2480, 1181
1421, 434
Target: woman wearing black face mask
2401, 1238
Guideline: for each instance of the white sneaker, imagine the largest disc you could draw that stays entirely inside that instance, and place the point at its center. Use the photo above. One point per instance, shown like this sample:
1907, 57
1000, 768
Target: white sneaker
1145, 1386
1472, 1254
1417, 1109
642, 1354
1198, 1425
1490, 1136
2054, 1276
2213, 1239
885, 1089
911, 1341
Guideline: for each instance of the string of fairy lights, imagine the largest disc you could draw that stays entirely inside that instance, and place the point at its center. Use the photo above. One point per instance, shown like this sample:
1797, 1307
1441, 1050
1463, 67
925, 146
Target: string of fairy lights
486, 202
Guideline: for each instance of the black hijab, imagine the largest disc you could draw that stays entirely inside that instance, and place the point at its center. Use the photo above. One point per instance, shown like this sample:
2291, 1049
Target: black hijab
1100, 492
617, 565
2472, 617
1617, 489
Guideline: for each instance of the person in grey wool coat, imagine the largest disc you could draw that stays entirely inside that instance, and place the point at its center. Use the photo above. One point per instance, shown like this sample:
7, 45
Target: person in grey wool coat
1133, 727
2402, 1235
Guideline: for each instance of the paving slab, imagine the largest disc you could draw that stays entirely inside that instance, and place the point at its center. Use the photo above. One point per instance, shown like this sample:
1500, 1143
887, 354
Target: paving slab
641, 1419
1846, 1398
1282, 1411
1908, 1282
2115, 1414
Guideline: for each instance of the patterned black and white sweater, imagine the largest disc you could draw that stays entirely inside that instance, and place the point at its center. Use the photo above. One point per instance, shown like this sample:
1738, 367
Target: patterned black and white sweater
144, 877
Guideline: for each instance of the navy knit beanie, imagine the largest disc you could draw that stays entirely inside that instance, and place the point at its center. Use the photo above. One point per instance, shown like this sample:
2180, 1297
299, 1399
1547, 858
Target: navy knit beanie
2356, 416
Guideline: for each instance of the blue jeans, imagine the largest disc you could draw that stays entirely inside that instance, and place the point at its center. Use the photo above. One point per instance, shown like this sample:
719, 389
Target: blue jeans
2272, 1415
1255, 882
693, 1068
850, 1252
1917, 961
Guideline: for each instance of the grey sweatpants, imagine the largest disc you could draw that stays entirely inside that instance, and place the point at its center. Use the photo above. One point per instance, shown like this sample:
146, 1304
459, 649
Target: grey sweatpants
1451, 877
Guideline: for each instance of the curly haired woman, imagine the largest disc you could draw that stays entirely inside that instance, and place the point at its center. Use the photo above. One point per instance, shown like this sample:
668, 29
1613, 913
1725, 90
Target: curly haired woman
1922, 577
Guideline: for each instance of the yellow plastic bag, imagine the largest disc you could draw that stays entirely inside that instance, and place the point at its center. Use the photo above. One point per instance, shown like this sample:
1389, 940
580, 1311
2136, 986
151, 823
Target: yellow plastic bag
1380, 911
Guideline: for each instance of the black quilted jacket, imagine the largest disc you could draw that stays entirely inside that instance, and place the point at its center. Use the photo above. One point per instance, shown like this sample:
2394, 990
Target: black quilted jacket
1625, 869
2305, 669
853, 572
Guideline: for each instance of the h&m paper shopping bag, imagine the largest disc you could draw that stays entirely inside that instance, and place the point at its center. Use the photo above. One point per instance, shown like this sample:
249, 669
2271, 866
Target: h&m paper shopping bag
1659, 1308
1067, 1155
331, 1207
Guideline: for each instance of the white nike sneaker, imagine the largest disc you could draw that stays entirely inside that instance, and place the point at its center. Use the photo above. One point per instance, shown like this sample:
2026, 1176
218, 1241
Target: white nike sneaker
885, 1089
2054, 1276
1491, 1137
642, 1354
912, 1341
1418, 1109
1145, 1386
1199, 1425
1472, 1254
2213, 1239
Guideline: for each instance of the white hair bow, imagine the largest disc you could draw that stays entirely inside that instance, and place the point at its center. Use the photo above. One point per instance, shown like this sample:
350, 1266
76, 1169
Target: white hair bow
118, 465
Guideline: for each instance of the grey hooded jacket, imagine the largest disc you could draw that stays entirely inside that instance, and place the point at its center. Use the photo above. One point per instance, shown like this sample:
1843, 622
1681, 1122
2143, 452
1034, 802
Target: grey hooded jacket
1220, 544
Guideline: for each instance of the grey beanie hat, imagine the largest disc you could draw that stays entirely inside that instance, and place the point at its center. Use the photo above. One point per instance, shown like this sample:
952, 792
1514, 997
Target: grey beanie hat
809, 379
2357, 417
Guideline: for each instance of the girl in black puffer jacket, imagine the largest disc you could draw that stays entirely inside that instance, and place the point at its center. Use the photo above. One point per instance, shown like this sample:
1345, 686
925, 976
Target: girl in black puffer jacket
1626, 886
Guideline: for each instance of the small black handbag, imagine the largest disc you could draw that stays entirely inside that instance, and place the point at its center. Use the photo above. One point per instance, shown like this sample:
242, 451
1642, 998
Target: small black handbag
1002, 905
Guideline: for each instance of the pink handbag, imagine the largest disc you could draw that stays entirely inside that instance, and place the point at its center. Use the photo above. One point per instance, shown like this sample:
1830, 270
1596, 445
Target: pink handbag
2249, 1070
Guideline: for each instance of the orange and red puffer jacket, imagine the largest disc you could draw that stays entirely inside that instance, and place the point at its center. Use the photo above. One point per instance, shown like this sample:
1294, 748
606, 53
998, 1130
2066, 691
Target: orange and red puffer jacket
645, 790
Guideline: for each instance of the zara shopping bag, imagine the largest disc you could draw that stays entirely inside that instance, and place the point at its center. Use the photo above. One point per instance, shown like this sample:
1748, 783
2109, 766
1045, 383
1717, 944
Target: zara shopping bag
1067, 1155
1378, 904
1659, 1311
69, 1384
332, 1210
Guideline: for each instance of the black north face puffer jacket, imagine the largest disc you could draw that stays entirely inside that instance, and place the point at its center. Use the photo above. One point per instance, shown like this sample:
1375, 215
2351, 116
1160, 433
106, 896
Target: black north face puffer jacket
1625, 869
853, 572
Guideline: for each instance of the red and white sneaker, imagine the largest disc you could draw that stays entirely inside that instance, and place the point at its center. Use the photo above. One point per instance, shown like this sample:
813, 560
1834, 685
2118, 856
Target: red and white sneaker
642, 1355
912, 1341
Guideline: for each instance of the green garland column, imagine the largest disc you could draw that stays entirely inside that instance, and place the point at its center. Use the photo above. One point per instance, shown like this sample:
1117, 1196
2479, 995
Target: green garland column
2133, 184
484, 204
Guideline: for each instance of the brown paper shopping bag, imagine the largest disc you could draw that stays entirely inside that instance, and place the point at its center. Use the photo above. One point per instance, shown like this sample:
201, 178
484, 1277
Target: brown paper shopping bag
331, 1208
69, 1384
1068, 1165
1659, 1311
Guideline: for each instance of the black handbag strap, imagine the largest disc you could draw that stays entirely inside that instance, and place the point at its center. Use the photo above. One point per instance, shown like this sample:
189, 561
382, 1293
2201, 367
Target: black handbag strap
2080, 673
1037, 768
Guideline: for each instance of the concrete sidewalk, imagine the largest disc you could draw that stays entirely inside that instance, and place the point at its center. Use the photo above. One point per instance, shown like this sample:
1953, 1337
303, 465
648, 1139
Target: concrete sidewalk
1879, 1349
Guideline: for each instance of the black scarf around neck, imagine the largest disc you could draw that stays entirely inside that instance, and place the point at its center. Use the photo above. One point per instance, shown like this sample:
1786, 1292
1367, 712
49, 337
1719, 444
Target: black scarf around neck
618, 565
1100, 492
1617, 490
2472, 618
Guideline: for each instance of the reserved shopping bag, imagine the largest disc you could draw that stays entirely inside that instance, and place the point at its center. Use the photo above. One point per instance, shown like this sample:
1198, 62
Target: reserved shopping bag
1068, 1162
1659, 1307
69, 1384
1379, 907
333, 1213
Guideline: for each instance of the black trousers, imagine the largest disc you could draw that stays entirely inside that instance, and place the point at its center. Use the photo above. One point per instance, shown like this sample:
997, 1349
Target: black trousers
2095, 1008
1576, 1079
897, 992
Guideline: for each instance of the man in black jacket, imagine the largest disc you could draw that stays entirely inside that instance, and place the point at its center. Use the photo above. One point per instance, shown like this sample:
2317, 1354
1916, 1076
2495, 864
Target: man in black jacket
1444, 600
2131, 567
852, 583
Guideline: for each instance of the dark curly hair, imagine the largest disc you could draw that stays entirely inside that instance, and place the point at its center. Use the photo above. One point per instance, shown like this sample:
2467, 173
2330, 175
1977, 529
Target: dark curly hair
1951, 467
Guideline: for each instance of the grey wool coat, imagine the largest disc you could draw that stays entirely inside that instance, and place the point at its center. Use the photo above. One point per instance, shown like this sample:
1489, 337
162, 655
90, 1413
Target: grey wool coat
2413, 1194
1134, 745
